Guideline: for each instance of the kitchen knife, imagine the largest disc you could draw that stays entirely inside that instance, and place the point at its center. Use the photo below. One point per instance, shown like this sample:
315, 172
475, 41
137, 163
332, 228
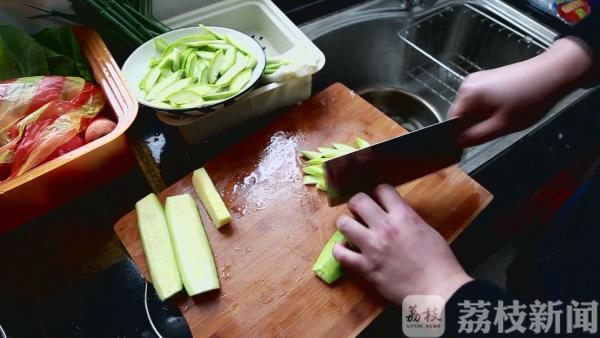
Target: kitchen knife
395, 161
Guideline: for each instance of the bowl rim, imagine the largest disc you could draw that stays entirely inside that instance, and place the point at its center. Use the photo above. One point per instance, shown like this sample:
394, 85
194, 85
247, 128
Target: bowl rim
205, 108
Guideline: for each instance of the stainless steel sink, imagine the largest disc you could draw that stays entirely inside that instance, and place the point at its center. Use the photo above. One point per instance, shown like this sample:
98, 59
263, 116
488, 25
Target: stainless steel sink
428, 52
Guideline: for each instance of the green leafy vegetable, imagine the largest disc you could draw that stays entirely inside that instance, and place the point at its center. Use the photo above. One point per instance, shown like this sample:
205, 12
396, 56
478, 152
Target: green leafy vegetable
52, 51
8, 64
66, 49
28, 54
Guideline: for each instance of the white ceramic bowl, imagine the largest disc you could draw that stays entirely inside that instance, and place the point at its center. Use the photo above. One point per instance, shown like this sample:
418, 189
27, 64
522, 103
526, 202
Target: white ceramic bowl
137, 65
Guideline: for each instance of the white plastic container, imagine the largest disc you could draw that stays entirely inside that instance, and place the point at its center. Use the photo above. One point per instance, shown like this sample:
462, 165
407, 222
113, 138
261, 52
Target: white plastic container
280, 37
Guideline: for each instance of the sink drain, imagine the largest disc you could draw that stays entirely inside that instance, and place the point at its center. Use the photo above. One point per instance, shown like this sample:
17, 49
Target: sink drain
406, 109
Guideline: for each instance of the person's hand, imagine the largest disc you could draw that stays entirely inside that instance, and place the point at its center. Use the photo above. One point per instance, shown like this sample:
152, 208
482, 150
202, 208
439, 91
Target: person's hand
398, 253
513, 97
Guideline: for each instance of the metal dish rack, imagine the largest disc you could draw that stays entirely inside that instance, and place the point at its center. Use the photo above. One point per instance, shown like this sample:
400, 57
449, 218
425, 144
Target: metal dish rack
455, 41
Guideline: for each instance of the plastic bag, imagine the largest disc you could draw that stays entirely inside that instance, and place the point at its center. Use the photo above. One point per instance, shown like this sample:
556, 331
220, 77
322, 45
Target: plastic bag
40, 114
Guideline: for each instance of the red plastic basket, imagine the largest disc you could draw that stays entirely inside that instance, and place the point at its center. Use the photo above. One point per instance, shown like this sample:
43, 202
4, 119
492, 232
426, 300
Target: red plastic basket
86, 168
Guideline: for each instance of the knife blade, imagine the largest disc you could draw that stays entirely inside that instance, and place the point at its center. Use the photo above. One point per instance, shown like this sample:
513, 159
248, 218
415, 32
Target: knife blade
395, 161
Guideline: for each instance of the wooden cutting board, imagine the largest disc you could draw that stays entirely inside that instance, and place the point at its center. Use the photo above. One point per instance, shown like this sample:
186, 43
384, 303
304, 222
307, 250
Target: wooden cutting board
279, 226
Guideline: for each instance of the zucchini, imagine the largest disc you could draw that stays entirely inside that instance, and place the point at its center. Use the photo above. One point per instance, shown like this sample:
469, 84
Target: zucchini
184, 97
240, 64
204, 58
327, 267
229, 59
150, 79
162, 84
174, 87
215, 66
343, 147
194, 256
316, 161
205, 55
240, 80
362, 143
158, 247
311, 154
160, 44
214, 205
329, 152
210, 31
314, 170
203, 89
220, 95
309, 179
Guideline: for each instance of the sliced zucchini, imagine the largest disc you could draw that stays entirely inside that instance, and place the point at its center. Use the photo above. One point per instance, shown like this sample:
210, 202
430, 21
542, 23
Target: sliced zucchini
161, 104
236, 45
362, 143
210, 198
192, 250
158, 247
322, 186
316, 161
150, 79
210, 43
311, 154
174, 87
215, 66
309, 179
197, 37
220, 96
329, 152
251, 61
240, 64
184, 97
314, 170
205, 55
203, 89
160, 44
228, 60
162, 84
240, 80
211, 31
343, 147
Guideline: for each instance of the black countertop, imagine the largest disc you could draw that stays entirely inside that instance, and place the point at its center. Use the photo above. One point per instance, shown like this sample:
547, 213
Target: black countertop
67, 275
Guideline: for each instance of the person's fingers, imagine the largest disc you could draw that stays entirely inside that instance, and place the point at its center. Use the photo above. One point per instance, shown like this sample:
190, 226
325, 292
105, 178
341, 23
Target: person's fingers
482, 132
390, 199
366, 209
467, 102
355, 232
349, 259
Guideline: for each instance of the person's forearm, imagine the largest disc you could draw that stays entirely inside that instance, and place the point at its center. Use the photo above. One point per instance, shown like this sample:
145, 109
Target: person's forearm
569, 61
560, 69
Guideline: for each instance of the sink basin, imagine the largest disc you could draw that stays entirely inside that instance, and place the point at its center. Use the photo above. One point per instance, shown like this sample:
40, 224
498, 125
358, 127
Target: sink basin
427, 52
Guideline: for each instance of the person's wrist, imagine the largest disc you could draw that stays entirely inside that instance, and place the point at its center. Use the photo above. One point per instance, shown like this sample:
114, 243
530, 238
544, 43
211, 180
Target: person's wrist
450, 285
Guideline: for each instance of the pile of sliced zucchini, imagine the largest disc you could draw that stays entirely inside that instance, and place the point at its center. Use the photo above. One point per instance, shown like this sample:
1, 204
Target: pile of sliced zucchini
197, 70
315, 174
